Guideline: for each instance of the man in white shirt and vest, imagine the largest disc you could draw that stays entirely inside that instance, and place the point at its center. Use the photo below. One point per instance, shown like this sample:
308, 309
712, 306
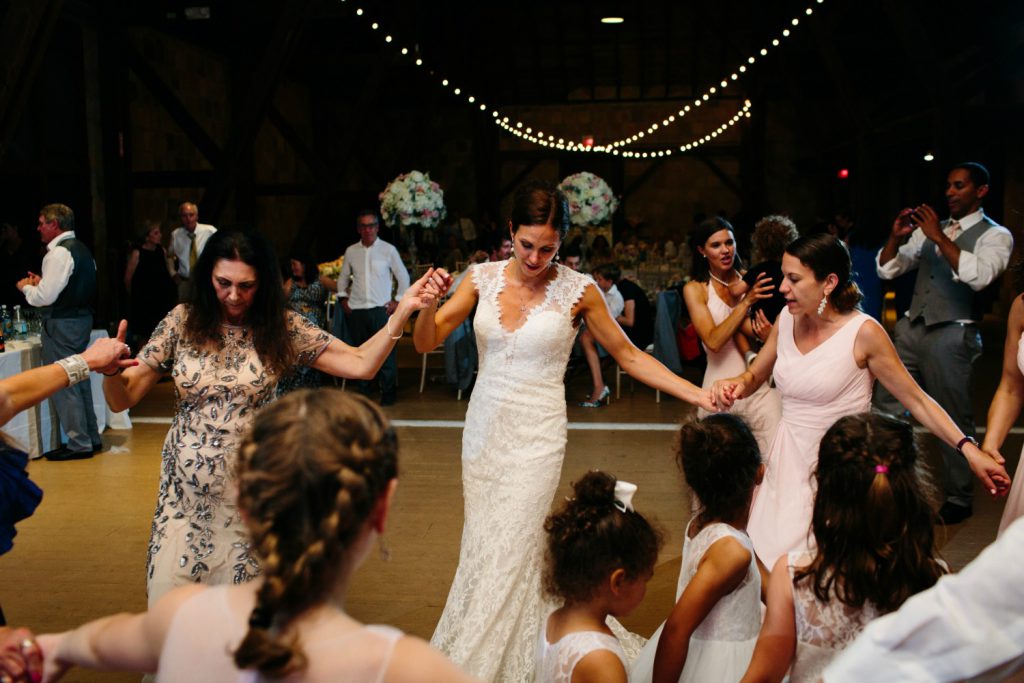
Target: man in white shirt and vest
64, 294
187, 243
367, 294
938, 338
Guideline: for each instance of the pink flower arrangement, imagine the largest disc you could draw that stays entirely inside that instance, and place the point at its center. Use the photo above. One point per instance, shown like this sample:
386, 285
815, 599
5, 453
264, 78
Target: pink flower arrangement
591, 201
412, 199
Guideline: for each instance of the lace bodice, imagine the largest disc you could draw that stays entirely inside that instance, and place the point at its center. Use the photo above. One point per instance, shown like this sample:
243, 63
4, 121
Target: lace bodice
737, 616
539, 348
556, 661
823, 629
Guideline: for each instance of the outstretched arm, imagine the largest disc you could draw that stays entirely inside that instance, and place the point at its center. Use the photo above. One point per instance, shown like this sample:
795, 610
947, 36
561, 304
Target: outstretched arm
434, 324
636, 363
874, 350
30, 387
363, 362
728, 391
122, 642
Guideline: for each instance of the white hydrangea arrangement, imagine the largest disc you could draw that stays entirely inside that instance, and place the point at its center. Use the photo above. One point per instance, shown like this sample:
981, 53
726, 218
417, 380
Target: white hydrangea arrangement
412, 199
591, 201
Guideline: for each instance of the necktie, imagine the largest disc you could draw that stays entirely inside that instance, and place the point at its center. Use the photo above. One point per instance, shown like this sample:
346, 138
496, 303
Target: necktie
953, 229
193, 254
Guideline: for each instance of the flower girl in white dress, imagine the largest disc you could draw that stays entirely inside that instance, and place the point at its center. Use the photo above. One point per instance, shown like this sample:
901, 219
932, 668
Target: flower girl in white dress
711, 632
600, 555
875, 536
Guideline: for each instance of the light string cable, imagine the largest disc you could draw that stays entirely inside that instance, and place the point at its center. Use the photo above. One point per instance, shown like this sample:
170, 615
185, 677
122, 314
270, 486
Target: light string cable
526, 132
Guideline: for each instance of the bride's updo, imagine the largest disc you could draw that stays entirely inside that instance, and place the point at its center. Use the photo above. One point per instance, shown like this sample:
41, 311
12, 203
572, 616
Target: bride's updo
591, 536
538, 202
825, 254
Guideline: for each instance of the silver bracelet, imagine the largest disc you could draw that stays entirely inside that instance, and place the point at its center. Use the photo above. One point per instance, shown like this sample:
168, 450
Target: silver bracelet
76, 367
388, 326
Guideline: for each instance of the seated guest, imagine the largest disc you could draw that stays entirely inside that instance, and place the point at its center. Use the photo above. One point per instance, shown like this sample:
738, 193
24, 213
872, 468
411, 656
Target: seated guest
502, 249
316, 475
571, 257
637, 317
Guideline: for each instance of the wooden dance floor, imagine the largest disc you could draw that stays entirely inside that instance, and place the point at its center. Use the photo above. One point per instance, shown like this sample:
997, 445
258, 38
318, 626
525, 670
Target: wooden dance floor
83, 553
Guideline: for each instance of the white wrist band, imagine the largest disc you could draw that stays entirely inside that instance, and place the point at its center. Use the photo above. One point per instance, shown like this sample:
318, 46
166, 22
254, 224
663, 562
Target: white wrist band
76, 367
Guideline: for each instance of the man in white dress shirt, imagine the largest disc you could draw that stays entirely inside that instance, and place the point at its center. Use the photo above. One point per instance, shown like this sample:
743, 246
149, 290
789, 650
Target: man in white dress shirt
187, 243
64, 293
938, 338
367, 294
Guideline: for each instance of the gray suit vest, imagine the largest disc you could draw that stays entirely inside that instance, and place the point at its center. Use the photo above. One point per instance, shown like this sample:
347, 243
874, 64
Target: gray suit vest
937, 297
76, 299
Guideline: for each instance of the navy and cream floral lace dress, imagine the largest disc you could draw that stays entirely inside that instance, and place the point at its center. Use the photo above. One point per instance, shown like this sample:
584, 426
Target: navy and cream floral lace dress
197, 534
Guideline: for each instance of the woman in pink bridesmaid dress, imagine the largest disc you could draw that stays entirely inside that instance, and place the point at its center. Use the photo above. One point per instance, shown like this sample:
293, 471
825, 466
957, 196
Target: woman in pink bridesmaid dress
825, 355
1006, 406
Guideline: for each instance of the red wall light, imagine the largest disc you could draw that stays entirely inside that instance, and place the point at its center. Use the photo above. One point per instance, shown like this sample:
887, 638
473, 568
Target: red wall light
843, 173
588, 140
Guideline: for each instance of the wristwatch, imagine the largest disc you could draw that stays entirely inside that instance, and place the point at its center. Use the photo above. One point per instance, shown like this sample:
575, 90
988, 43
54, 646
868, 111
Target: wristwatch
966, 439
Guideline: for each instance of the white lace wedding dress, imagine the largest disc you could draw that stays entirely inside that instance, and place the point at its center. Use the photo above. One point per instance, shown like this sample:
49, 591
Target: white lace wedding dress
512, 451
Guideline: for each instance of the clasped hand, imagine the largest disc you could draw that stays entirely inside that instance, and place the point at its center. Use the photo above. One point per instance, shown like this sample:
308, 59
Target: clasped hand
427, 291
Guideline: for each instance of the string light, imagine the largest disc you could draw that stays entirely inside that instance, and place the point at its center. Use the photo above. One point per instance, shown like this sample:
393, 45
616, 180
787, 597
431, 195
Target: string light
522, 131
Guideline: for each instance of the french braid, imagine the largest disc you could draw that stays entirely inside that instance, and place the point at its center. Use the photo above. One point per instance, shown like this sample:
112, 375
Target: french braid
310, 471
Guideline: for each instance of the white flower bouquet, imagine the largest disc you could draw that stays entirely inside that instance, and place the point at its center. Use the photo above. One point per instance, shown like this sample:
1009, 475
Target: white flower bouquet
591, 201
412, 199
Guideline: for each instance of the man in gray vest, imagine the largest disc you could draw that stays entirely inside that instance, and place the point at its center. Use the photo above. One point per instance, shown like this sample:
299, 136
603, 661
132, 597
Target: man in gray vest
65, 294
938, 339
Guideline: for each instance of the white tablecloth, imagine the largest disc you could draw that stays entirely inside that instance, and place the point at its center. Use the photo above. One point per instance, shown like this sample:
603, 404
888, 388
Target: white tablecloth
36, 429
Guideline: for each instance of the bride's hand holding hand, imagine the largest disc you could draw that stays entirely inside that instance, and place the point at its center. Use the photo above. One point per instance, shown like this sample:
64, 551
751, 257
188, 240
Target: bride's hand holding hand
425, 292
726, 392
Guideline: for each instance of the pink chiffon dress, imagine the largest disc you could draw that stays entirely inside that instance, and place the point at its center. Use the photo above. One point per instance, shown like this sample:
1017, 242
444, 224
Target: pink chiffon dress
817, 388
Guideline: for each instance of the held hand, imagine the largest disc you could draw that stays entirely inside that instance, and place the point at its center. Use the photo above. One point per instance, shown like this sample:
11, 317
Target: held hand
110, 355
989, 472
706, 400
928, 221
52, 668
21, 659
726, 392
421, 294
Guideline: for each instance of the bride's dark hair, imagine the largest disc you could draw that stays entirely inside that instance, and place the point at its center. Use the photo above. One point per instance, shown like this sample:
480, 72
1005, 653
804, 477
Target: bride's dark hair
589, 538
538, 202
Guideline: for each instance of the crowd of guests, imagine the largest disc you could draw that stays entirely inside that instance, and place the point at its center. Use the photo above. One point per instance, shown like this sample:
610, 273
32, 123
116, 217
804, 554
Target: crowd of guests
811, 552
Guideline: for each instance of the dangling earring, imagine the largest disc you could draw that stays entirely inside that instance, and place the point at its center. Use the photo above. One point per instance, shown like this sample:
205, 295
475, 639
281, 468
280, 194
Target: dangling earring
382, 546
821, 306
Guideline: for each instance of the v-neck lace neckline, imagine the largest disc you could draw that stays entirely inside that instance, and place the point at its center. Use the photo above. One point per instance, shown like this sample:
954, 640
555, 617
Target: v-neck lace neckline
527, 313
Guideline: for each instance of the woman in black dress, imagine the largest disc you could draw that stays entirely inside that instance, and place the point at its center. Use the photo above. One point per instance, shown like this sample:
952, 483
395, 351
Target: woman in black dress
147, 277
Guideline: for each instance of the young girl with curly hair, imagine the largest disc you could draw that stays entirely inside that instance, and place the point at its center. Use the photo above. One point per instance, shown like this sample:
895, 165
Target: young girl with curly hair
874, 531
601, 553
316, 476
711, 631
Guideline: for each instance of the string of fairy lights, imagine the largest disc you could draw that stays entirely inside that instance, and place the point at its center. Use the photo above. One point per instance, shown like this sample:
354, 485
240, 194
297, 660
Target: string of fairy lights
526, 132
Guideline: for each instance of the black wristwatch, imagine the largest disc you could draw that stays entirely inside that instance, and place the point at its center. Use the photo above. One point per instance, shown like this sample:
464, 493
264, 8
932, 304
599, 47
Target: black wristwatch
966, 439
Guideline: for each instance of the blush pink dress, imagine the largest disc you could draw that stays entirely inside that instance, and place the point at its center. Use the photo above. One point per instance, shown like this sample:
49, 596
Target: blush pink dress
1015, 501
817, 388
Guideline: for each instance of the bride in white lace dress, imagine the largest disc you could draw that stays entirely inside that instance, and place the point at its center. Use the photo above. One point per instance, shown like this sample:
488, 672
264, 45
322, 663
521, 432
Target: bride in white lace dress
528, 314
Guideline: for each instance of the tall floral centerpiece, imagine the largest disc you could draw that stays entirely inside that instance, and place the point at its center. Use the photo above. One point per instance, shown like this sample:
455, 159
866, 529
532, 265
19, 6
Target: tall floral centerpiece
591, 205
591, 202
412, 199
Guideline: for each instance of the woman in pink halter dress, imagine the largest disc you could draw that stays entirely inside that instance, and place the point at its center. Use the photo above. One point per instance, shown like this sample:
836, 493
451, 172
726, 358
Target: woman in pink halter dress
718, 309
1006, 406
825, 355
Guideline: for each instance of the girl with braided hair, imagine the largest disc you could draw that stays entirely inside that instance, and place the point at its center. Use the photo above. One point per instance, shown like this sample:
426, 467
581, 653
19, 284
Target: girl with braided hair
600, 556
316, 476
875, 537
